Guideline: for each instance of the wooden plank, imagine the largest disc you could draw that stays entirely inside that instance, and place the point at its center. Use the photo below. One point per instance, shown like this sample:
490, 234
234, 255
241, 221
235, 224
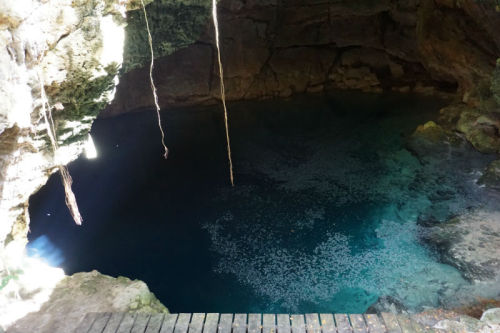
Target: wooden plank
283, 323
254, 323
342, 322
155, 322
126, 323
298, 324
327, 323
182, 324
374, 324
169, 323
100, 322
86, 322
225, 323
196, 325
240, 323
211, 322
358, 323
268, 323
114, 322
140, 323
312, 321
391, 322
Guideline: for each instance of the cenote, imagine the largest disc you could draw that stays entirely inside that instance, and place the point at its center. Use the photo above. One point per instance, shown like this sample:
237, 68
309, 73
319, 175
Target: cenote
325, 215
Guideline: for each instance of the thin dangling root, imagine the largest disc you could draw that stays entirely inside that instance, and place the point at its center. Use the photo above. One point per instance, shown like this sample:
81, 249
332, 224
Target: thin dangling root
153, 87
222, 90
65, 176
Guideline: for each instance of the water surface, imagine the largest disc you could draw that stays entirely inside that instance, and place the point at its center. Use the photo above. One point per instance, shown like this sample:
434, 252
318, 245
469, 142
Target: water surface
323, 217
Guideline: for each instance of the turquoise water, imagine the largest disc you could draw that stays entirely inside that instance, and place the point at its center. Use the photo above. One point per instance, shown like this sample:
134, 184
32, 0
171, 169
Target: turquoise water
323, 217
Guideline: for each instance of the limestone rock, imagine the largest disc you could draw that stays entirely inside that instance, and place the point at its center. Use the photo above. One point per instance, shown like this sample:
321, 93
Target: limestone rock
82, 293
470, 242
72, 49
431, 141
491, 316
481, 129
408, 46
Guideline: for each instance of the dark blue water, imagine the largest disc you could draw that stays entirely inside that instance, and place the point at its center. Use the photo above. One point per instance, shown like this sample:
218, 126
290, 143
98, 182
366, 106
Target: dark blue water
323, 217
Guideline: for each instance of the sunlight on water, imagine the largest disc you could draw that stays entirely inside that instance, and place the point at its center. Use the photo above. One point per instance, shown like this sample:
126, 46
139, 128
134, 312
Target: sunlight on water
42, 248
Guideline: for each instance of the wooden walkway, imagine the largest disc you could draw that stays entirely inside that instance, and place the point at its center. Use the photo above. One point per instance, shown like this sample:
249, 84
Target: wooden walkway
251, 323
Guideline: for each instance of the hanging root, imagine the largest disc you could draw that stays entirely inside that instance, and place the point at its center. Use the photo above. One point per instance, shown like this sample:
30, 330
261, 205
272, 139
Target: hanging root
65, 176
153, 87
222, 90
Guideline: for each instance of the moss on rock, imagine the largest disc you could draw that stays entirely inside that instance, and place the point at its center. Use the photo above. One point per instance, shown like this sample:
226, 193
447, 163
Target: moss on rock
491, 177
481, 130
82, 96
173, 24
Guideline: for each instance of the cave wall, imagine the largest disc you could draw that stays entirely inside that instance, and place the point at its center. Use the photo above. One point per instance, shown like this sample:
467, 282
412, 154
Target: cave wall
69, 48
276, 48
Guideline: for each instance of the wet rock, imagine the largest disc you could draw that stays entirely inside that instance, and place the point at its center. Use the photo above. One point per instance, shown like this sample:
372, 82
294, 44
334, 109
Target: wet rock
471, 243
450, 321
387, 304
481, 129
82, 293
491, 177
431, 140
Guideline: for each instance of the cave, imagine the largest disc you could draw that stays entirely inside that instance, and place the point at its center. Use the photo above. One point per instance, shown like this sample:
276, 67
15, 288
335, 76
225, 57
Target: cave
354, 171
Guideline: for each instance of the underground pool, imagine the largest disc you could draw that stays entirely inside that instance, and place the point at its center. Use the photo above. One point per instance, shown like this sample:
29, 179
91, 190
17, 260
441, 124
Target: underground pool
326, 214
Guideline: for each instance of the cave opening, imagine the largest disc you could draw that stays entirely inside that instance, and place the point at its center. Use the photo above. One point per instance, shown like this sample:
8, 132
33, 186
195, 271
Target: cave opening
364, 137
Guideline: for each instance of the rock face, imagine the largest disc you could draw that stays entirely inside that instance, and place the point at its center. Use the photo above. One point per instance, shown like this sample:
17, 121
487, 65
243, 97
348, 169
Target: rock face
72, 49
82, 293
491, 177
276, 48
449, 321
470, 242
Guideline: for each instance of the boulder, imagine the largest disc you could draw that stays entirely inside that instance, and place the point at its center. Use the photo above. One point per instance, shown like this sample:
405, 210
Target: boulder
481, 129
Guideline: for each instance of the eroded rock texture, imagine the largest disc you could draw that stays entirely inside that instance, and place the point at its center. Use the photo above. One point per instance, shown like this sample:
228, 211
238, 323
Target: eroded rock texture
81, 293
274, 48
470, 242
64, 46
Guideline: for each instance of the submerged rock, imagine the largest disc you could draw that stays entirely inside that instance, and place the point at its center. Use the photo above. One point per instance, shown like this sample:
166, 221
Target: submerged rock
471, 243
431, 141
387, 304
82, 293
491, 177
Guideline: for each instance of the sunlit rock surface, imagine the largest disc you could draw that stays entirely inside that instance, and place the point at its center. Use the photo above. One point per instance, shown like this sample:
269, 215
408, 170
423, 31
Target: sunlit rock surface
73, 49
81, 293
450, 321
